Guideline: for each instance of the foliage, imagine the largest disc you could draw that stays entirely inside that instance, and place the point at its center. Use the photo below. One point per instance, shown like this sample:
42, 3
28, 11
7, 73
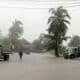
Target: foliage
15, 31
21, 45
6, 42
57, 21
13, 40
57, 28
37, 45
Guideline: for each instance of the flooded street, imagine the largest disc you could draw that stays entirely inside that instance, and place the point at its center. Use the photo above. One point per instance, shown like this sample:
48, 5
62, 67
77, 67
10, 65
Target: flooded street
39, 67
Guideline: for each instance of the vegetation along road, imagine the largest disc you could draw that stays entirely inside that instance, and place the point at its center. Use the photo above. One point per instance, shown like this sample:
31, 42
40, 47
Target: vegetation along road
39, 67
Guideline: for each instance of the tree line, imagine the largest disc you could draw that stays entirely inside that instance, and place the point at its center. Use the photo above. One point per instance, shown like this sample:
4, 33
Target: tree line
15, 42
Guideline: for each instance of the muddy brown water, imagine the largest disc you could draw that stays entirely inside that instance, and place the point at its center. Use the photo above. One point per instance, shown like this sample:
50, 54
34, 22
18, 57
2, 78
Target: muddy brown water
39, 67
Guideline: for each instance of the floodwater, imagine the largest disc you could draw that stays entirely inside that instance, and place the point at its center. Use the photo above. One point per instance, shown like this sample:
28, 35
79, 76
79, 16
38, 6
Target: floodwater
39, 67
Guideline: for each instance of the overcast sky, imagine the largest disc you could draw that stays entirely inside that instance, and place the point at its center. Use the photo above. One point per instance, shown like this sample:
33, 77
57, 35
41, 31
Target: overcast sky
34, 15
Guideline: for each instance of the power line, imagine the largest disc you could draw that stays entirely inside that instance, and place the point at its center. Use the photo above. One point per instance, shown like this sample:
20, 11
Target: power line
40, 7
68, 5
73, 6
49, 1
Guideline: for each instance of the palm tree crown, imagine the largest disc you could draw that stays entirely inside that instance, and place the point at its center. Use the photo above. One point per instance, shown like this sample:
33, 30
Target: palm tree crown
58, 21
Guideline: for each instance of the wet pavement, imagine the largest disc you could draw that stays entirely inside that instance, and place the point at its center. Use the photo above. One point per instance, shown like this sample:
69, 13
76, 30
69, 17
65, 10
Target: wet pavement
39, 67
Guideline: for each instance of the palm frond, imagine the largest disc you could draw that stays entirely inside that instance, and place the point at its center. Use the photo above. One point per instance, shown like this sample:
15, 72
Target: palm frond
59, 9
52, 10
66, 21
65, 13
48, 36
51, 18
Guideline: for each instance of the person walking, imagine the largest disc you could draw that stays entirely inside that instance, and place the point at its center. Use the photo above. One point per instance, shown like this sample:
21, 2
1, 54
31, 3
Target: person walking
20, 55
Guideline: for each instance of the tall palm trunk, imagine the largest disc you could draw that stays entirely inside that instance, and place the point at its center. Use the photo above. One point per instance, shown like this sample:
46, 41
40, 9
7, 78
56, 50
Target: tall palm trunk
56, 49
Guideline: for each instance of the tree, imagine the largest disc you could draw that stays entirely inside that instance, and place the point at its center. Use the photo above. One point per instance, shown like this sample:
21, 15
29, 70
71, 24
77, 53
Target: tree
6, 42
37, 45
15, 31
75, 41
57, 28
23, 44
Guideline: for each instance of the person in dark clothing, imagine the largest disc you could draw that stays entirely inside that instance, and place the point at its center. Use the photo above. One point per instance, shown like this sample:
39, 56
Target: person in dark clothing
1, 49
20, 54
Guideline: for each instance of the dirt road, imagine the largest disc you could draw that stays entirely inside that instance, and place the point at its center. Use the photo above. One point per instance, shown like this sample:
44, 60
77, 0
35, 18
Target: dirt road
39, 67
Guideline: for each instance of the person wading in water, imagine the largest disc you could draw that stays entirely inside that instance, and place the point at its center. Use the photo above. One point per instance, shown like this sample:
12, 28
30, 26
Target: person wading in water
20, 55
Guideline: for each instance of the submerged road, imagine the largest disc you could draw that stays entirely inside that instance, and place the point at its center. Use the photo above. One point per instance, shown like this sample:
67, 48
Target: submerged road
39, 67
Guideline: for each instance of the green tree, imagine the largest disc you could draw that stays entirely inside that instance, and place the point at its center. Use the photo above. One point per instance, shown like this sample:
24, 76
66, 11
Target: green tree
21, 45
58, 25
37, 45
6, 42
75, 41
15, 31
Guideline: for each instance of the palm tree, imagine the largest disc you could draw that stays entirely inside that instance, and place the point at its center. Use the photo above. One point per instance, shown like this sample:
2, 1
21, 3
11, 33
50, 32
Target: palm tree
58, 25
